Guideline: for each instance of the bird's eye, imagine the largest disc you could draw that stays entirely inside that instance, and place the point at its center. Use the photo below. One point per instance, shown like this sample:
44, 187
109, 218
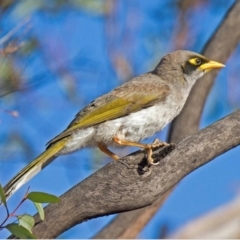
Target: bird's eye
198, 61
195, 61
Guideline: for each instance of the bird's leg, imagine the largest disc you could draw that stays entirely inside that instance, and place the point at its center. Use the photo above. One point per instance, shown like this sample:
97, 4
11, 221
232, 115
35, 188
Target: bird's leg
104, 149
148, 147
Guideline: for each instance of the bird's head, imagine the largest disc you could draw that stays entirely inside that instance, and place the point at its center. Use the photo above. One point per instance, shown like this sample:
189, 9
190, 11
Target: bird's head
185, 64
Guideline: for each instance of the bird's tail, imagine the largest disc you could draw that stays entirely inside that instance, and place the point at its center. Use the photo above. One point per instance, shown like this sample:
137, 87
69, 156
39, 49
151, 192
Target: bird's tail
33, 168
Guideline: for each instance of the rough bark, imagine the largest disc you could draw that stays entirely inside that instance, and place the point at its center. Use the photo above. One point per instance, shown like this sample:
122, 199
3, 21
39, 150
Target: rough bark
124, 186
127, 224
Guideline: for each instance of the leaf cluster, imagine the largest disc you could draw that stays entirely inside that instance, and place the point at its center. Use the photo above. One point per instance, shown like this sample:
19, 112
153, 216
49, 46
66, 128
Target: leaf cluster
23, 224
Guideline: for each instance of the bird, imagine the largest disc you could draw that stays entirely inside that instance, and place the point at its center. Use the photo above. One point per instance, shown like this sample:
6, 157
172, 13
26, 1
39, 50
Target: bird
126, 115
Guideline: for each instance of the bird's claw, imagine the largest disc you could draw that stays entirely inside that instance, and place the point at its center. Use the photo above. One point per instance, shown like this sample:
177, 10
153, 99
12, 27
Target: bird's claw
156, 144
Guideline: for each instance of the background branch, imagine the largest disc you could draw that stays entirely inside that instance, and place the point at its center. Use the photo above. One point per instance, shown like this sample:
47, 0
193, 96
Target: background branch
130, 188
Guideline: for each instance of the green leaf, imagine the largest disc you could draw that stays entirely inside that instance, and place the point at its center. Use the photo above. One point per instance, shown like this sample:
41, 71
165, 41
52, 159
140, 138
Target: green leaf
2, 197
41, 197
27, 221
40, 210
20, 231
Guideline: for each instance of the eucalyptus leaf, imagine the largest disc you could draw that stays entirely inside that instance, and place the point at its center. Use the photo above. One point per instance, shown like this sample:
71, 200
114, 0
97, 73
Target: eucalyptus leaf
40, 210
27, 221
40, 197
20, 231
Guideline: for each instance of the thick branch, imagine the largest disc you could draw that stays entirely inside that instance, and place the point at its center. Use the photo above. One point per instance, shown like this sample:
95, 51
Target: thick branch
131, 222
120, 186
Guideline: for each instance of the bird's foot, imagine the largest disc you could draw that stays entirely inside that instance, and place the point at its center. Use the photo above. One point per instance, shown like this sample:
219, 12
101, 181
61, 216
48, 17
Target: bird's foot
156, 144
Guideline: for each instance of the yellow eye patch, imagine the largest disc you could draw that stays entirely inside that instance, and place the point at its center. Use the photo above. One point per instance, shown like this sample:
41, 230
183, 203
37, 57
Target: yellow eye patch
196, 61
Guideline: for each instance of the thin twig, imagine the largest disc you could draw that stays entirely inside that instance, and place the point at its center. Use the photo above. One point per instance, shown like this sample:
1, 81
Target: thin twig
7, 36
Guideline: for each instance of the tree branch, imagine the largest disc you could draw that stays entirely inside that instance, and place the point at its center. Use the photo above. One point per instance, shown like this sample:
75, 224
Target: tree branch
131, 222
122, 186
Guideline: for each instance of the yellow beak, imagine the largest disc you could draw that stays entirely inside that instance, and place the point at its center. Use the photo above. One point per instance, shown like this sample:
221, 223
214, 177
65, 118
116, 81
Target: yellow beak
210, 65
